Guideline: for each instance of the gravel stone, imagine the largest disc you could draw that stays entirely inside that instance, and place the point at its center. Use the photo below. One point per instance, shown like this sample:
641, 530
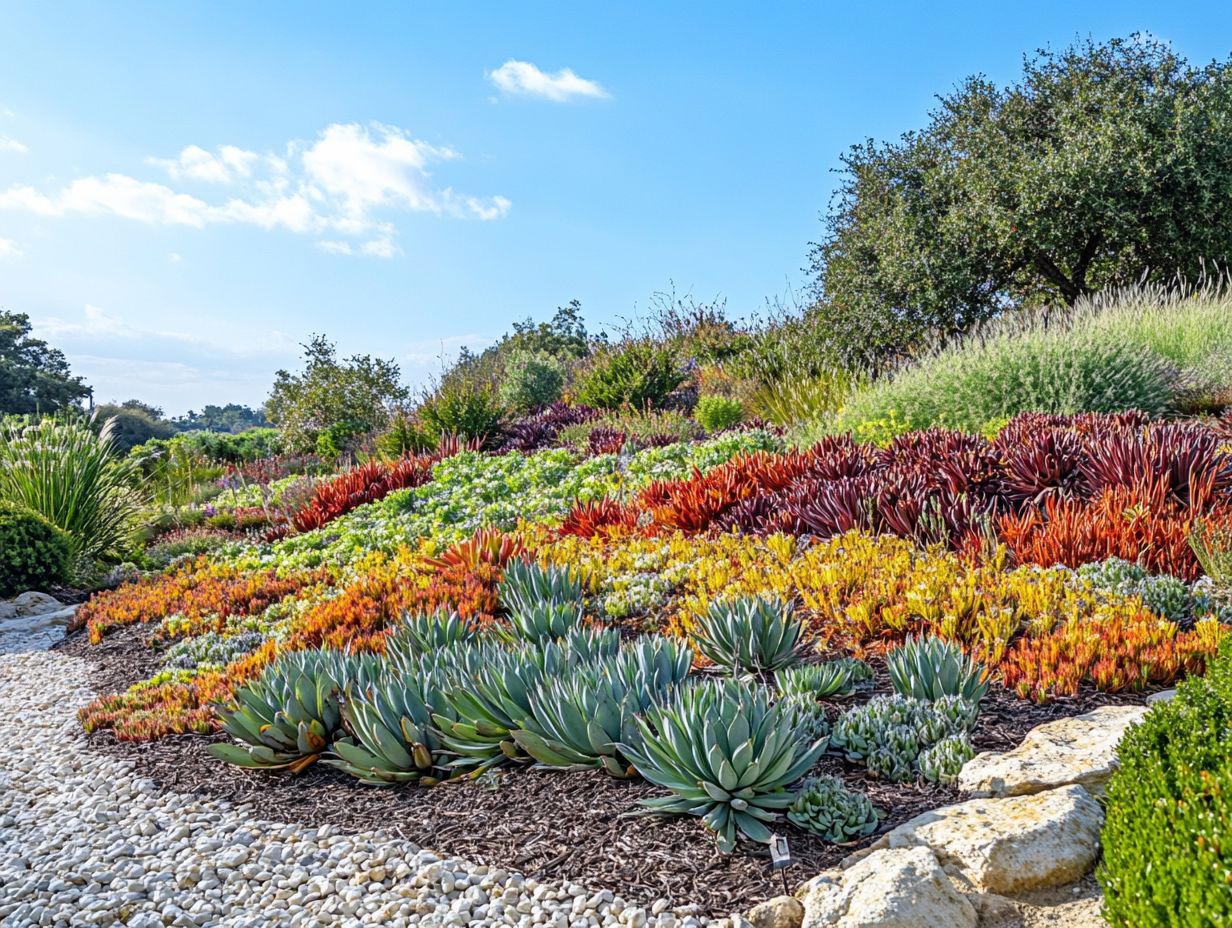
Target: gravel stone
87, 841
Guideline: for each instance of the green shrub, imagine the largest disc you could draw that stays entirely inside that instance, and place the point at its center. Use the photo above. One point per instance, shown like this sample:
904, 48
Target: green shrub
533, 379
404, 435
716, 413
466, 410
60, 469
34, 554
638, 374
1168, 834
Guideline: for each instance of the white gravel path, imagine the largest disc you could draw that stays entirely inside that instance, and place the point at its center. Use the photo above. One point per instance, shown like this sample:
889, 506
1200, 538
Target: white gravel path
86, 841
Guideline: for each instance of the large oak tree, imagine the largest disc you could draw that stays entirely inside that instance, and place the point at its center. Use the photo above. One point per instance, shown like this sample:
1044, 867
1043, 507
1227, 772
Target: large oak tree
1104, 164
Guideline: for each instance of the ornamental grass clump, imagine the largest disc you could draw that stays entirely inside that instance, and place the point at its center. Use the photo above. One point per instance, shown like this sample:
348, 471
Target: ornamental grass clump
74, 478
752, 635
930, 668
726, 753
827, 808
1167, 838
289, 715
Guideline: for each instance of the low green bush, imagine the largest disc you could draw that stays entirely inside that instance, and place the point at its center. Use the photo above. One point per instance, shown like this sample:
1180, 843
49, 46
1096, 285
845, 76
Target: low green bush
34, 554
637, 374
716, 413
467, 410
1168, 834
533, 379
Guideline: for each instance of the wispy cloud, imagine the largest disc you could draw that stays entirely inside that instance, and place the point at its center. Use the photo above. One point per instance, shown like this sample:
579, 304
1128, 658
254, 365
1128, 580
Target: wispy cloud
11, 144
343, 185
524, 79
8, 248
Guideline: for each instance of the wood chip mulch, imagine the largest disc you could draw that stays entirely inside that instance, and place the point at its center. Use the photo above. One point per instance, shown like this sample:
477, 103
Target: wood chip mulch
549, 825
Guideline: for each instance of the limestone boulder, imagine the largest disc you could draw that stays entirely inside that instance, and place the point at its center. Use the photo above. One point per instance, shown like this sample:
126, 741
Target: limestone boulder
899, 888
35, 603
1079, 750
1009, 845
779, 912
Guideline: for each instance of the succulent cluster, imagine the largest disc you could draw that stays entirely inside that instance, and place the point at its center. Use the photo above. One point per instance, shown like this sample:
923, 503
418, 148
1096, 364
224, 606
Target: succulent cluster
1168, 596
942, 762
888, 733
826, 807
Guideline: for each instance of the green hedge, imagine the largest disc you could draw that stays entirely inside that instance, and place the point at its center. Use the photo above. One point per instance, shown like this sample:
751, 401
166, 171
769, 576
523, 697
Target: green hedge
34, 554
1168, 836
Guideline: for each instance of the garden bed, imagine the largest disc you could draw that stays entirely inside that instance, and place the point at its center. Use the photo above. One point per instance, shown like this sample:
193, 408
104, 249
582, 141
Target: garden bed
549, 825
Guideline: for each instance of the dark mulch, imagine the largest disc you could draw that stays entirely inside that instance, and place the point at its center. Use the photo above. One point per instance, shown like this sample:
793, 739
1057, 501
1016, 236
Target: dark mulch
558, 826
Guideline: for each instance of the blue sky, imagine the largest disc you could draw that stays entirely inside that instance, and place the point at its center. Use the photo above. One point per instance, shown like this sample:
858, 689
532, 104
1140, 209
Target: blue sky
190, 190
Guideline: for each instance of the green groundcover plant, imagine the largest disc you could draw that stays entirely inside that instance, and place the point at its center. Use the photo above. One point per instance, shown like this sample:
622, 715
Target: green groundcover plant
1168, 835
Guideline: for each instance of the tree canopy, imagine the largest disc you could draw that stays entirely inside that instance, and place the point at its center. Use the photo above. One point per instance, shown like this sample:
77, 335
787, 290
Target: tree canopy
34, 377
1104, 164
332, 403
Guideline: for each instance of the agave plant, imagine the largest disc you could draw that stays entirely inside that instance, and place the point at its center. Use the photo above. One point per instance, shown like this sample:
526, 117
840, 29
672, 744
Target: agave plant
288, 715
579, 721
817, 681
826, 807
526, 584
392, 740
752, 634
543, 602
544, 621
480, 710
428, 632
727, 753
929, 668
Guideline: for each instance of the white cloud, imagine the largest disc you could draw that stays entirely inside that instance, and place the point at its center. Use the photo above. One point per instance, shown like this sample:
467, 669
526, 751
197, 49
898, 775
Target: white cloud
195, 163
116, 194
9, 144
342, 185
524, 79
174, 257
8, 248
380, 248
363, 170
